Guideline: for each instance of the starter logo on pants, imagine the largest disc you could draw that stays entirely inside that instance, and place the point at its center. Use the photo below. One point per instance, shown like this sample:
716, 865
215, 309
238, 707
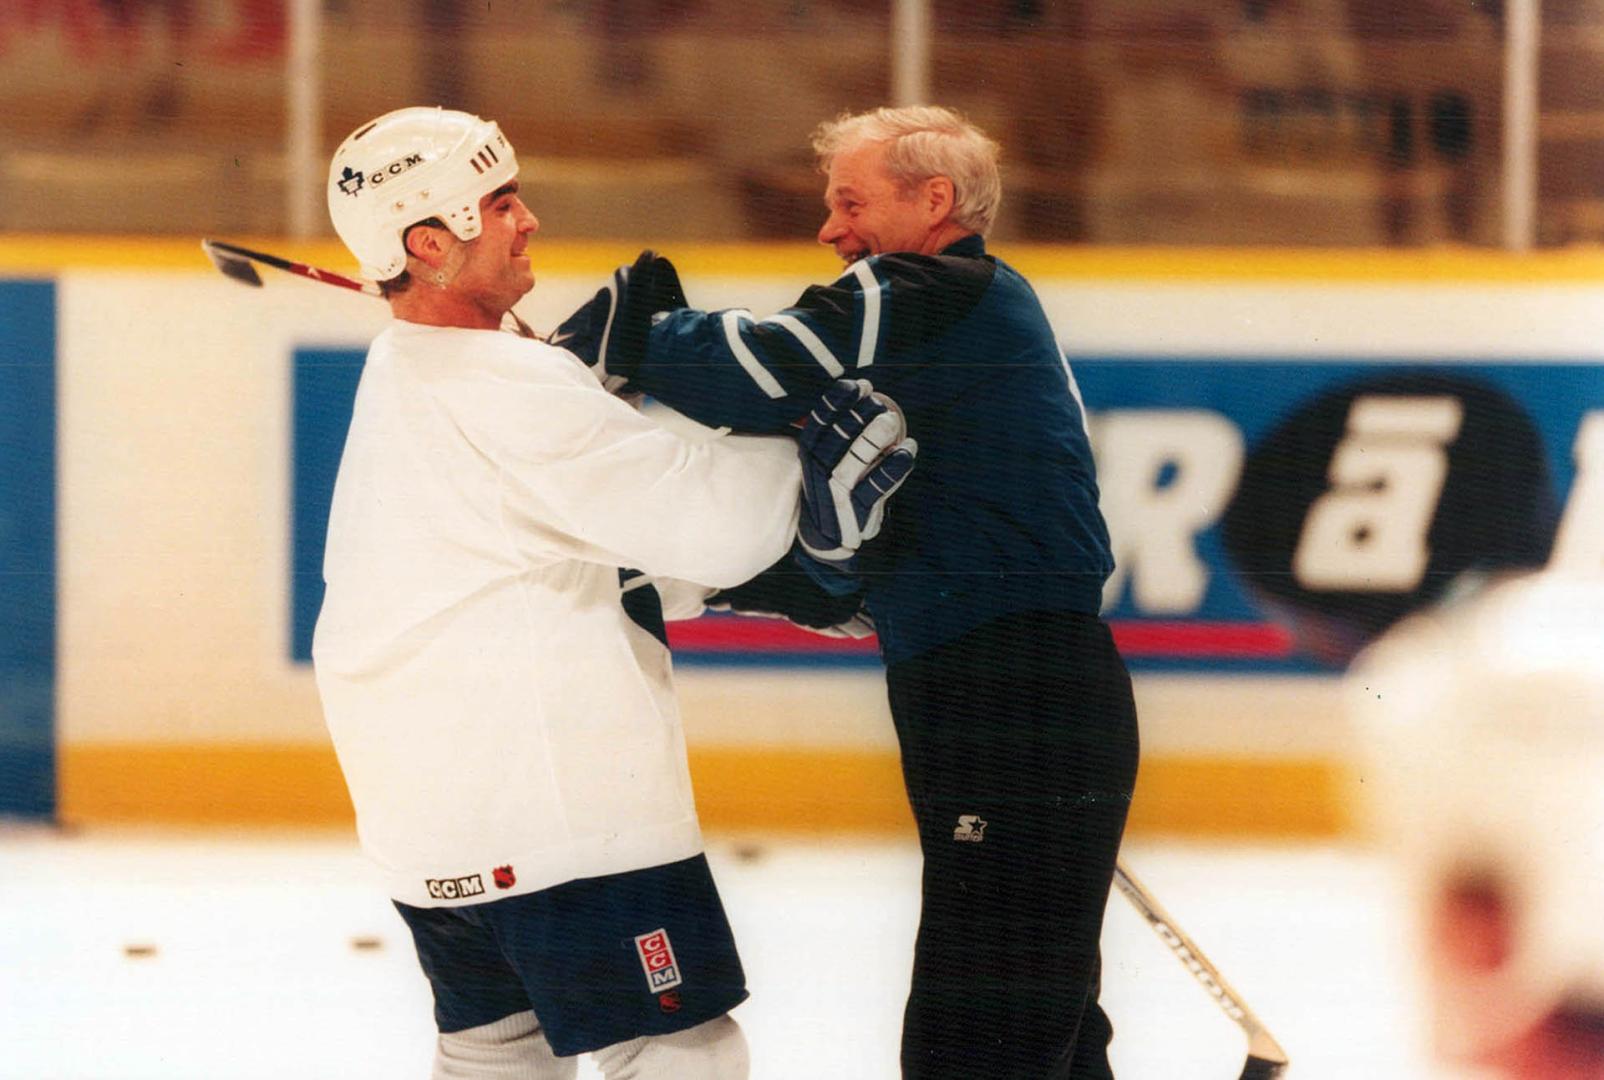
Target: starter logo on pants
970, 829
657, 958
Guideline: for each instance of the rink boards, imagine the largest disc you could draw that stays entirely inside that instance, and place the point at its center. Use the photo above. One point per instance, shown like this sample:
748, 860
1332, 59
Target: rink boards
169, 436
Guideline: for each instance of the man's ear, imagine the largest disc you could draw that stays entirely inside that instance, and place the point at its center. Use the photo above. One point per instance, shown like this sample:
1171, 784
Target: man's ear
938, 198
427, 244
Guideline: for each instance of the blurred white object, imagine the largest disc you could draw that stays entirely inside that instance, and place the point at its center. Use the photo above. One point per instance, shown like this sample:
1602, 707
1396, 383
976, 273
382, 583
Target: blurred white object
1482, 728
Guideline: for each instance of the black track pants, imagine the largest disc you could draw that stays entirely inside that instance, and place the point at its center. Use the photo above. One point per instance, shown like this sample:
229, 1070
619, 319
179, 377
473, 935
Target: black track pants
1019, 750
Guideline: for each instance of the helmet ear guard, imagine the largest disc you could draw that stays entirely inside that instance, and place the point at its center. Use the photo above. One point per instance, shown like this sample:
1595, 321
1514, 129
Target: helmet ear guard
408, 166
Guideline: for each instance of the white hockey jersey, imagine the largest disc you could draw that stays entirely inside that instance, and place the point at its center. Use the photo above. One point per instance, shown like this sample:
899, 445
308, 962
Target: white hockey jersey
503, 726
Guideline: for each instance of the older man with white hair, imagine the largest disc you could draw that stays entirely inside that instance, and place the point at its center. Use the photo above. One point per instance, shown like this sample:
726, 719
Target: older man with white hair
1012, 707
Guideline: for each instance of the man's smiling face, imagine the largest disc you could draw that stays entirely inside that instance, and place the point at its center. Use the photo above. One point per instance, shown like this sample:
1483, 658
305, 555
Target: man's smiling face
870, 213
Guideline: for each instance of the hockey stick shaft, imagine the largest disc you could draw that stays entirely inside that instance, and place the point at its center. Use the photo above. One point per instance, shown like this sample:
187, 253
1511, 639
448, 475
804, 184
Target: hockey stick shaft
1266, 1059
229, 257
235, 262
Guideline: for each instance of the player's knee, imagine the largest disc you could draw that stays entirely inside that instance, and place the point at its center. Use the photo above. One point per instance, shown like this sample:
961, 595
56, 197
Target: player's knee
723, 1046
715, 1050
512, 1048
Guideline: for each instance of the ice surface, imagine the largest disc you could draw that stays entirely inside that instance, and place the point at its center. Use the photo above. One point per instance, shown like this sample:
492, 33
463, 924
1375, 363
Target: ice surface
256, 971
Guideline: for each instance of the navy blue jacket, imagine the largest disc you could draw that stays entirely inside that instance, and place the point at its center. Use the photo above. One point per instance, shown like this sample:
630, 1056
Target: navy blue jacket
1000, 514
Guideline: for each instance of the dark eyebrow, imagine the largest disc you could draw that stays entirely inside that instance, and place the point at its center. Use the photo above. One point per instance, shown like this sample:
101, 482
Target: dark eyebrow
509, 188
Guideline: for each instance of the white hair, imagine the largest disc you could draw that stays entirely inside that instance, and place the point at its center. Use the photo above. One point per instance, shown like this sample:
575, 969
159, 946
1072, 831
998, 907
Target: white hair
923, 141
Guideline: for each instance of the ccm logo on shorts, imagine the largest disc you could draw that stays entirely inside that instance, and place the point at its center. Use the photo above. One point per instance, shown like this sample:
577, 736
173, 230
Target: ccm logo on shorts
657, 957
455, 888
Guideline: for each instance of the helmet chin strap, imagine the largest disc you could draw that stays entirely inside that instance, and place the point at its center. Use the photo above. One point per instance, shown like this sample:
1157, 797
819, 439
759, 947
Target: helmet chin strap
447, 271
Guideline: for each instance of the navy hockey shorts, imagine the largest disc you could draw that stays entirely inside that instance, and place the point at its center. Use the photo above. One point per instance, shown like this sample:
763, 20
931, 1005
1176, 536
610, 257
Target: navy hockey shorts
599, 960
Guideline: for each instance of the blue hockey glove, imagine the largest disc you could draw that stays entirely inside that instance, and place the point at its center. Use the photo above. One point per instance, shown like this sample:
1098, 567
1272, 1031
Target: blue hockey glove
855, 454
609, 331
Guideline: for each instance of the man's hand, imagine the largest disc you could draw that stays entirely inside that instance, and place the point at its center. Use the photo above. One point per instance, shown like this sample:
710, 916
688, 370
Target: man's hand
608, 332
784, 591
855, 454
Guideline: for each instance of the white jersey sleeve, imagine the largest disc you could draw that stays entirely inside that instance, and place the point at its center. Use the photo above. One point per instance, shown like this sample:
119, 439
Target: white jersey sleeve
580, 467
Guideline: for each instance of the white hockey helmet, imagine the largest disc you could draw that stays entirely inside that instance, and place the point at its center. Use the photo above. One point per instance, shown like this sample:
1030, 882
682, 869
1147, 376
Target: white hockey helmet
1482, 726
408, 166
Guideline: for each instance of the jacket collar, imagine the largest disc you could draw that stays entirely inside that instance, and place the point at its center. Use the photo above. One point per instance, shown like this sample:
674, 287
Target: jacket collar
972, 246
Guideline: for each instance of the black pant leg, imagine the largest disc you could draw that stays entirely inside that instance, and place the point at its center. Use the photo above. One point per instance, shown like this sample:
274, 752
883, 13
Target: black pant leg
1019, 751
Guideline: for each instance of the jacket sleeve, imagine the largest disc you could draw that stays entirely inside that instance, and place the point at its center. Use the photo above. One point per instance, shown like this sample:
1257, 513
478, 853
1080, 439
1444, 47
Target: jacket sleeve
583, 475
729, 369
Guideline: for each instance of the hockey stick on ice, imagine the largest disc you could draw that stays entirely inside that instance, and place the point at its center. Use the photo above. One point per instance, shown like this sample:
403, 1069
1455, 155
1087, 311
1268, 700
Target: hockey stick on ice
236, 262
1266, 1059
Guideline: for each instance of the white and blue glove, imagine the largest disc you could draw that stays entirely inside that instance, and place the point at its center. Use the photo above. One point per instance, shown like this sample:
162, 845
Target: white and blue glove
855, 453
609, 331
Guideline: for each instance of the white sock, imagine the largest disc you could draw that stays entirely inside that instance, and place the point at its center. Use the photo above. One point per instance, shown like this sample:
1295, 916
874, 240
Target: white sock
511, 1048
715, 1050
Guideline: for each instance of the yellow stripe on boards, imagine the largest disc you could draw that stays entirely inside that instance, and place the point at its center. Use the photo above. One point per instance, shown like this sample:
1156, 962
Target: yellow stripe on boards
1356, 266
201, 784
800, 790
1248, 798
737, 789
45, 254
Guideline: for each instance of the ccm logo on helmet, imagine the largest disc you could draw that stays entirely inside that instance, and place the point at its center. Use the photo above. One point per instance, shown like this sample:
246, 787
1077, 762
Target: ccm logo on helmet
352, 181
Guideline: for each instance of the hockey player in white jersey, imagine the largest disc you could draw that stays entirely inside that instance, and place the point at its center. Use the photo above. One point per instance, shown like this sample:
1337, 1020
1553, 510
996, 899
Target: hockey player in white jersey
504, 542
1483, 726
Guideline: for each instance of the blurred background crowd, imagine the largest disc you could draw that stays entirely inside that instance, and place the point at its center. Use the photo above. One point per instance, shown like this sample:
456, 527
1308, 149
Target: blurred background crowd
1229, 122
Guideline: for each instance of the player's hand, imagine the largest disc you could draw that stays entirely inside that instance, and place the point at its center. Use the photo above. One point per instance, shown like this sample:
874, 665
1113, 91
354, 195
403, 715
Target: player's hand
855, 454
858, 625
784, 591
609, 331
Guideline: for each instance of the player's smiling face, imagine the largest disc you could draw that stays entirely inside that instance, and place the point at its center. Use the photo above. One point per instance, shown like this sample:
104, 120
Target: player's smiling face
496, 265
870, 213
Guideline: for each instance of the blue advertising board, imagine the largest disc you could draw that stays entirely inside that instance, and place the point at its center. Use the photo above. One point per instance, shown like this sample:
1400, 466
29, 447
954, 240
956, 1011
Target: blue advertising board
1172, 435
1182, 416
27, 547
324, 393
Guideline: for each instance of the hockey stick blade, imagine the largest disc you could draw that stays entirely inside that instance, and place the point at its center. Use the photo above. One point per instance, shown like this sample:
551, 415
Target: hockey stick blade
235, 266
1262, 1069
1266, 1060
237, 262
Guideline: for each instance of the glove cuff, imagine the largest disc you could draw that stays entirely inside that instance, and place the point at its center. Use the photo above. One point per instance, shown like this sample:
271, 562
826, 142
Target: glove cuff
835, 578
